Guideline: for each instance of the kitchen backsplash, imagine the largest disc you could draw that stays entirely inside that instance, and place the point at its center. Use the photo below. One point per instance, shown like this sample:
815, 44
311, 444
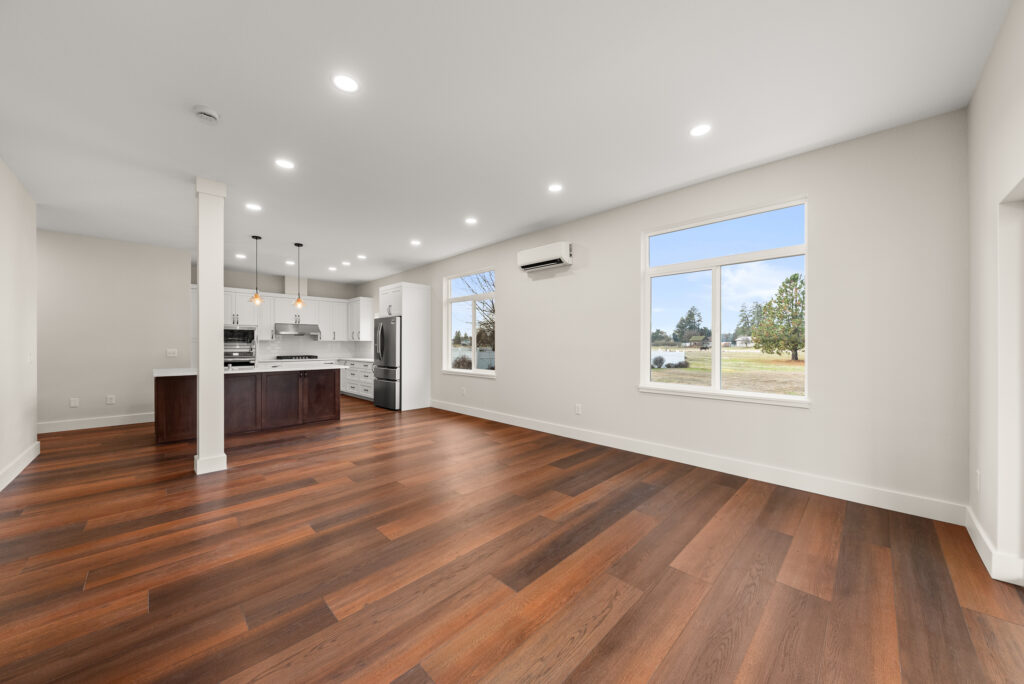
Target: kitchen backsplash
301, 344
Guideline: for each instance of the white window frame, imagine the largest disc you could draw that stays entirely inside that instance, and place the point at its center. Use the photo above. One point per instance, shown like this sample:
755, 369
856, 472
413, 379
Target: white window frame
446, 360
715, 265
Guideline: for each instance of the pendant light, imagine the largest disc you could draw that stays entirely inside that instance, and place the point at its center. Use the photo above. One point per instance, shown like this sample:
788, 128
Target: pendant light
298, 281
256, 299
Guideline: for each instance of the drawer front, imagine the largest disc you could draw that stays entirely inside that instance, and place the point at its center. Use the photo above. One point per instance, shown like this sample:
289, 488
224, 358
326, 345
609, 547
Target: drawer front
365, 376
359, 366
359, 390
352, 375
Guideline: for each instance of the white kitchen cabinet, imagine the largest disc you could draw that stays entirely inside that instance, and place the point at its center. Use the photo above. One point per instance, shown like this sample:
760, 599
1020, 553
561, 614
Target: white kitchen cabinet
238, 310
285, 311
333, 321
360, 319
265, 318
391, 300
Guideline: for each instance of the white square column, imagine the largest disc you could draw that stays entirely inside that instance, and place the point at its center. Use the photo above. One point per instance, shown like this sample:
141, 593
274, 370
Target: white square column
210, 455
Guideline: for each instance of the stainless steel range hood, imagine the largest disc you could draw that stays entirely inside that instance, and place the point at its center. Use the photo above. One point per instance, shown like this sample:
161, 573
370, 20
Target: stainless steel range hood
310, 329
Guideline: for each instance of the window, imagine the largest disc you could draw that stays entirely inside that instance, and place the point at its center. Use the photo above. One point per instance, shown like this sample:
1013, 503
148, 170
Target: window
469, 323
726, 307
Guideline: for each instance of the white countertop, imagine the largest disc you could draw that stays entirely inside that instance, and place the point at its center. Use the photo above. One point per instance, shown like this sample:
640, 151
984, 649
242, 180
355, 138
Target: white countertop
263, 367
356, 358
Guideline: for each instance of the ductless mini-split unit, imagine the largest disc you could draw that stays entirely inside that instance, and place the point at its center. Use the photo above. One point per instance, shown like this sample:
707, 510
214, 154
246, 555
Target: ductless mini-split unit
549, 256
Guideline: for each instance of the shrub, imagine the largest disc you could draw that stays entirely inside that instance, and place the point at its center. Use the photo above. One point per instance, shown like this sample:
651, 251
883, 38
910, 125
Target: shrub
463, 363
658, 361
683, 364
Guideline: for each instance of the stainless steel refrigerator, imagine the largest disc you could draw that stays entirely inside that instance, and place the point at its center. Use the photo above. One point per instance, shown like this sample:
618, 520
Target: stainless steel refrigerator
387, 362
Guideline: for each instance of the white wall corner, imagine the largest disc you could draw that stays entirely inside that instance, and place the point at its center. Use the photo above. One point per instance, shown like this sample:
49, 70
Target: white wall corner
893, 500
210, 464
15, 467
1002, 566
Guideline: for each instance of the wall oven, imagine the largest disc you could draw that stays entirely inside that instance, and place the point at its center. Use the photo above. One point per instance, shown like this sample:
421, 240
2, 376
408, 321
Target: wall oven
240, 345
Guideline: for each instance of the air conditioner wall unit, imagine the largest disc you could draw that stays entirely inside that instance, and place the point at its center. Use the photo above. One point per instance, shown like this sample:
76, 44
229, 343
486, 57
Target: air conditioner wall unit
548, 256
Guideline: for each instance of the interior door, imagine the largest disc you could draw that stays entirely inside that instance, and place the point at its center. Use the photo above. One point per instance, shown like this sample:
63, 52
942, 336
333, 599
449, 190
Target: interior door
321, 395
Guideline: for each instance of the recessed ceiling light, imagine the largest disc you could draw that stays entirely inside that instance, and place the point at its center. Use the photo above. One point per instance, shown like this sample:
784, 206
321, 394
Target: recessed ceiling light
239, 256
555, 188
289, 263
360, 256
332, 268
471, 220
252, 206
700, 129
285, 163
346, 263
415, 243
345, 83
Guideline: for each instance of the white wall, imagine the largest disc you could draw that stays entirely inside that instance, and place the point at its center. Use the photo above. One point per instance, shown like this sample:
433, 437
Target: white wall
18, 445
108, 310
887, 269
996, 135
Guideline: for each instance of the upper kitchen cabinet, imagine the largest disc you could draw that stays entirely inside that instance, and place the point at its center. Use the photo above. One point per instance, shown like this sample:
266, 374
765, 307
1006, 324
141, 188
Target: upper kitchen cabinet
360, 319
238, 310
285, 311
333, 321
391, 300
265, 317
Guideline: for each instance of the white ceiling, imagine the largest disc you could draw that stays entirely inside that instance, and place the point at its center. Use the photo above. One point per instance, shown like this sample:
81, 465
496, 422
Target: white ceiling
466, 107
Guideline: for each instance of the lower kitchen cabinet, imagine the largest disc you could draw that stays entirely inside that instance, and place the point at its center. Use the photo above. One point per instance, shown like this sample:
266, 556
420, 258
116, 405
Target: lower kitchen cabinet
282, 399
241, 403
252, 402
321, 395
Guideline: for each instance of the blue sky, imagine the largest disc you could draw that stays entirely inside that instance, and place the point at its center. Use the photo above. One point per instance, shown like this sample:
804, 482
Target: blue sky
672, 296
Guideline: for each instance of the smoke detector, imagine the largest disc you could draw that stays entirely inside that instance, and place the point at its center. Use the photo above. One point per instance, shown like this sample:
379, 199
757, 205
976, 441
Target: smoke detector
205, 114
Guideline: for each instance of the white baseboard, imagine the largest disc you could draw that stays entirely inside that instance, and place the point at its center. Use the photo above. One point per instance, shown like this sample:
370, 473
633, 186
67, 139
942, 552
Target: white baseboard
99, 421
1002, 566
210, 464
15, 467
902, 502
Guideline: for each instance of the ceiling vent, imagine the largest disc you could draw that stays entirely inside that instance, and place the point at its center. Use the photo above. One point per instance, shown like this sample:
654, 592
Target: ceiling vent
205, 114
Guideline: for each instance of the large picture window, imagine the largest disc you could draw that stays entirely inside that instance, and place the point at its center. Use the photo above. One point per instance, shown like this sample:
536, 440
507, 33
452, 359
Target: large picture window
469, 323
726, 307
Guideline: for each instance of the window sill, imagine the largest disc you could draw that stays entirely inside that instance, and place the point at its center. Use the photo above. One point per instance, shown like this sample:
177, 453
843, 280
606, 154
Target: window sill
726, 395
491, 375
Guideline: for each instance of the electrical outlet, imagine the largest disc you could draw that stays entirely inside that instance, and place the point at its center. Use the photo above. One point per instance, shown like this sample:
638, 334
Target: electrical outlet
579, 409
111, 400
172, 352
463, 391
73, 402
977, 480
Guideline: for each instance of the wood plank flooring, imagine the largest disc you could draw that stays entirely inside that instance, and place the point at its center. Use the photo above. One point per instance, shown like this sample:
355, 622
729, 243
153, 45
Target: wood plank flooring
433, 547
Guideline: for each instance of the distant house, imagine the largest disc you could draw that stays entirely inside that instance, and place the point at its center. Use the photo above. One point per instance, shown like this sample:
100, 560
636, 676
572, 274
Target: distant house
745, 341
700, 341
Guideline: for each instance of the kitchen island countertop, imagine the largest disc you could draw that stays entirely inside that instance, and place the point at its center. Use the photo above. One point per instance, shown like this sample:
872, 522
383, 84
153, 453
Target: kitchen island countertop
263, 367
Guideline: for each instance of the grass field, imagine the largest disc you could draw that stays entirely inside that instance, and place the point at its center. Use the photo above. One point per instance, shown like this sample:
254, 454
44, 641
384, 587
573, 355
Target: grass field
746, 370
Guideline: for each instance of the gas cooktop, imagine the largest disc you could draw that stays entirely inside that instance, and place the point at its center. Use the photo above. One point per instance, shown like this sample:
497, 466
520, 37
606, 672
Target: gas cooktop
292, 357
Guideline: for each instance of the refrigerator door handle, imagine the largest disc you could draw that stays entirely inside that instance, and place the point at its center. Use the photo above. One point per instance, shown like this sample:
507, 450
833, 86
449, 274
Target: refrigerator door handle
377, 342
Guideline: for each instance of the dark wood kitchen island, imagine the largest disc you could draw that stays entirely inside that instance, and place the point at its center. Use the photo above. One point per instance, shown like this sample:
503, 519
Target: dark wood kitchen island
259, 398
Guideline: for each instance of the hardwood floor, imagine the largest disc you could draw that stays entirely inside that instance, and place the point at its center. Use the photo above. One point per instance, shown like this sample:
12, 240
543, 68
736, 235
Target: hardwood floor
434, 547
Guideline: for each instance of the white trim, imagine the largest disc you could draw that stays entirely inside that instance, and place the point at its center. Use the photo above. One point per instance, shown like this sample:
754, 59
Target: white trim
1001, 566
210, 464
96, 422
490, 375
903, 502
15, 467
725, 395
